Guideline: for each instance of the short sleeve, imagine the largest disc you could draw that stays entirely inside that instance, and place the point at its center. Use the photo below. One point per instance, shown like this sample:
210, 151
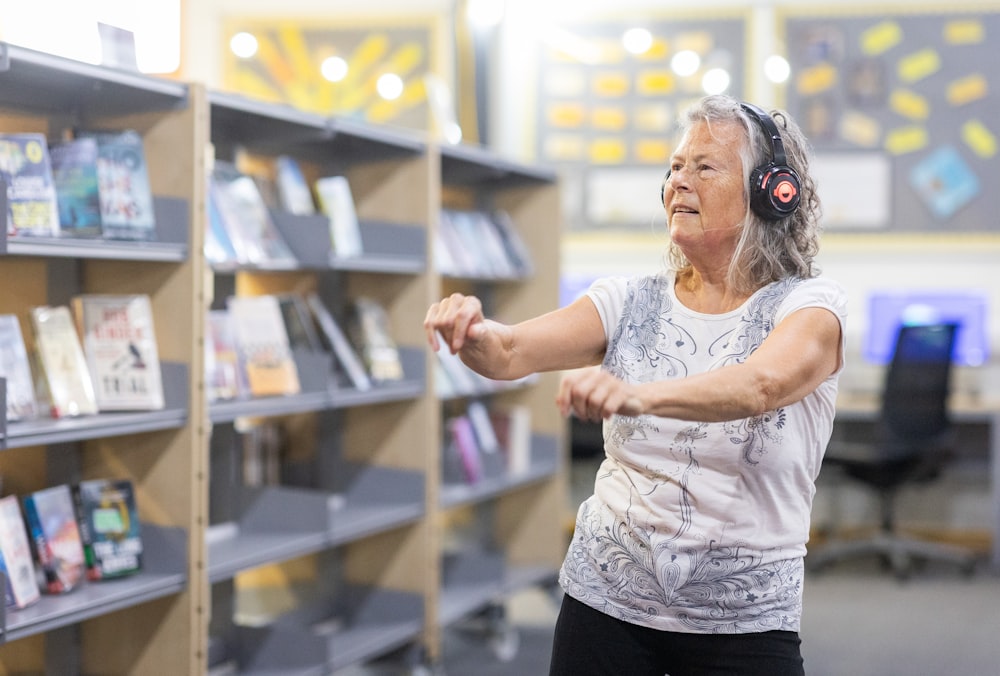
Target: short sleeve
608, 296
818, 292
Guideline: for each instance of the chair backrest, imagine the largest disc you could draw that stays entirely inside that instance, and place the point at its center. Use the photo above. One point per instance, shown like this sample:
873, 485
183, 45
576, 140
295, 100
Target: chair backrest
918, 379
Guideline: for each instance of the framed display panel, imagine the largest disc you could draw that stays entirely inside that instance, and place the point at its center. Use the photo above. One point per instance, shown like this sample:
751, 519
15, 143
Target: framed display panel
900, 106
333, 67
606, 118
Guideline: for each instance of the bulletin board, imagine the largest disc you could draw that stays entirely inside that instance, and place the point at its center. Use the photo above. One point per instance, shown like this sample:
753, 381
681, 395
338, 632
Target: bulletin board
607, 119
902, 109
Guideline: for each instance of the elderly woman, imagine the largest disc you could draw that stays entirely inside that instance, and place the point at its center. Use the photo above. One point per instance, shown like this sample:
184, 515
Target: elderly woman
717, 384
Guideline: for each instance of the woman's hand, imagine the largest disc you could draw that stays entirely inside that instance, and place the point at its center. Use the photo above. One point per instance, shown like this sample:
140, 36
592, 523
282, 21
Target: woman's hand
457, 319
594, 394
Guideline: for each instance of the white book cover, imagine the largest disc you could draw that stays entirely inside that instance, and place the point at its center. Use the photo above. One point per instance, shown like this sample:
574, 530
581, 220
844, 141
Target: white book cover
337, 202
16, 552
66, 375
15, 369
263, 347
119, 341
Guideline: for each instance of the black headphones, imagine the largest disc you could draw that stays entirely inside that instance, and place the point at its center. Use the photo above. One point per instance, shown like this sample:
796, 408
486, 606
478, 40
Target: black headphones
774, 187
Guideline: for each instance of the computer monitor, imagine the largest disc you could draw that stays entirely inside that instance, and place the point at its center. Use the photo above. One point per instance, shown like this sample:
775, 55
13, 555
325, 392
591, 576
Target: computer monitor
888, 310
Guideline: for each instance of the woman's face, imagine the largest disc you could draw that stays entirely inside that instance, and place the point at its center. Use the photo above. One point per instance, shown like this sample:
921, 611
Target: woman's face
704, 196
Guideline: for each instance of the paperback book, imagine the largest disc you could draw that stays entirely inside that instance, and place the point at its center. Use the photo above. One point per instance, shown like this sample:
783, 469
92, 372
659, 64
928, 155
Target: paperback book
294, 195
16, 371
262, 345
123, 185
109, 527
224, 379
15, 556
74, 171
369, 328
336, 341
119, 343
62, 362
246, 220
51, 520
26, 170
337, 203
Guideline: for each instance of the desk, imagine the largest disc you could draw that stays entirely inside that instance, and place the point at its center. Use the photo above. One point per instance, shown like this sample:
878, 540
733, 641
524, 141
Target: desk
963, 408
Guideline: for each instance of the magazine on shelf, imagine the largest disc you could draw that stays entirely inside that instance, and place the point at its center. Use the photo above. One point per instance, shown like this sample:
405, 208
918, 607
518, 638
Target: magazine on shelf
109, 527
224, 378
16, 370
74, 172
67, 383
26, 170
294, 195
119, 342
368, 327
51, 520
262, 345
123, 185
15, 556
336, 341
299, 322
337, 203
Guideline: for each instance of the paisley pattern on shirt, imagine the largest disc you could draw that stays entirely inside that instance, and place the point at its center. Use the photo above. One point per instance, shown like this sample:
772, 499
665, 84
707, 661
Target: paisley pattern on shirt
644, 549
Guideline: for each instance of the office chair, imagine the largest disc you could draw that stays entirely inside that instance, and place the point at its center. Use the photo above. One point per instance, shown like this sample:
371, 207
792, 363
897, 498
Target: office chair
911, 445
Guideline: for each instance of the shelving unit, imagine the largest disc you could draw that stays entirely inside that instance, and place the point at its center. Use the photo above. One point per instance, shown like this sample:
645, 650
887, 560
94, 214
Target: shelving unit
137, 624
349, 556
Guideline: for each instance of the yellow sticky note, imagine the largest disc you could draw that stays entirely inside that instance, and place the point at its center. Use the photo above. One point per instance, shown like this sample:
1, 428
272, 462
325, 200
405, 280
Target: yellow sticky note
817, 79
881, 37
566, 115
979, 138
909, 104
658, 51
964, 32
906, 140
652, 151
655, 82
861, 130
607, 151
966, 89
607, 118
610, 84
919, 65
564, 147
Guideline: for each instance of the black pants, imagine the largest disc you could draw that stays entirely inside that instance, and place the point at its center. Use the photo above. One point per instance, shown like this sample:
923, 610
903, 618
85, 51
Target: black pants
591, 643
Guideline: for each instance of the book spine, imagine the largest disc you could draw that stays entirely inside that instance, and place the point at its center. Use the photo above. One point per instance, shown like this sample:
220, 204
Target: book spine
43, 552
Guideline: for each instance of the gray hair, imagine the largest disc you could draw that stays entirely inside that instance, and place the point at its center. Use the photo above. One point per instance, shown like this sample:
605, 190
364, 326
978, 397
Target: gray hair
767, 250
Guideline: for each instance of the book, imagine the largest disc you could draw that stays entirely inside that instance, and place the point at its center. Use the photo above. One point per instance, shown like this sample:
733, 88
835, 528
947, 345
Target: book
15, 555
294, 195
78, 196
219, 249
512, 425
223, 375
123, 185
337, 203
119, 343
262, 345
26, 170
369, 330
299, 322
51, 520
336, 341
16, 371
63, 364
517, 250
463, 442
110, 532
486, 436
247, 222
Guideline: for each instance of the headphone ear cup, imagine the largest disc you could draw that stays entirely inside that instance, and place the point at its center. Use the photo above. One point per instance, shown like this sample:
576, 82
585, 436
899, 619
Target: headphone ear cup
774, 191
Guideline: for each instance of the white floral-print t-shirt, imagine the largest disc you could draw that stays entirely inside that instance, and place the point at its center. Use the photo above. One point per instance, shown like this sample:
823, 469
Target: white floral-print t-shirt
700, 527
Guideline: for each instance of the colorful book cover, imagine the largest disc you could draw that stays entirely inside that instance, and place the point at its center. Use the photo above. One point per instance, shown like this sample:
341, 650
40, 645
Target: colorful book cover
123, 180
223, 375
263, 347
119, 342
51, 519
15, 553
15, 369
74, 171
31, 194
337, 342
244, 215
63, 364
109, 527
369, 329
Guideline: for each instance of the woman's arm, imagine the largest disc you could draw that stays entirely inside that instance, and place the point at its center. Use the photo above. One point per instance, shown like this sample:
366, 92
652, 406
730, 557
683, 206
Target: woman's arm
567, 338
802, 351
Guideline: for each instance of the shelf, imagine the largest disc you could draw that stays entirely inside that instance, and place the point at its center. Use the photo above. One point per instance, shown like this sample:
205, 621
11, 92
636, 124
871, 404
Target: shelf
467, 165
44, 431
164, 573
470, 581
43, 83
